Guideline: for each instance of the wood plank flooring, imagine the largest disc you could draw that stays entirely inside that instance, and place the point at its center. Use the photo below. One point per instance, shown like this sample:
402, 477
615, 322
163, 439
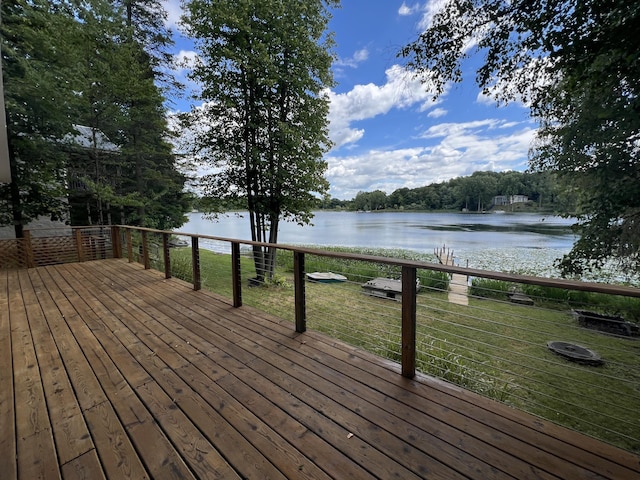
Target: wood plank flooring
111, 371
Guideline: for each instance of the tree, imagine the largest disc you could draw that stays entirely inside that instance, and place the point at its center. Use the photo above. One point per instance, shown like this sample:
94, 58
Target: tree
146, 21
264, 68
38, 57
478, 189
576, 64
67, 63
124, 47
146, 42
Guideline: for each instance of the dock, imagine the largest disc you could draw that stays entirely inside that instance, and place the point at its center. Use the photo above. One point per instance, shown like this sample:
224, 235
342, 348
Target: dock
458, 287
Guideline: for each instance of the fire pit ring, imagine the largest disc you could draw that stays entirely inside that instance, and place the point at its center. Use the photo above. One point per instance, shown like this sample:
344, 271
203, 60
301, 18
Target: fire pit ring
575, 353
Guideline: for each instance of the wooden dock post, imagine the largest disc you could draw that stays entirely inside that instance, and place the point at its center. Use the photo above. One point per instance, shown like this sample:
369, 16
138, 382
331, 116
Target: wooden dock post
195, 263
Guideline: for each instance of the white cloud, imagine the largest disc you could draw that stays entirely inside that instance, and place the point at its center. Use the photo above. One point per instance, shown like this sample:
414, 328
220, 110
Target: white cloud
183, 62
449, 150
406, 10
185, 59
457, 129
361, 55
344, 136
431, 9
174, 11
401, 90
356, 59
437, 113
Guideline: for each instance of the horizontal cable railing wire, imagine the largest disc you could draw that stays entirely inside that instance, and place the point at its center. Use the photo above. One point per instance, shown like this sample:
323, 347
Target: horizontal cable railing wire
485, 331
500, 348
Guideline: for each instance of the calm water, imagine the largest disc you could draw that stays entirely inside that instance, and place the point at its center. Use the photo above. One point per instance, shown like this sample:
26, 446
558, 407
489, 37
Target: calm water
526, 243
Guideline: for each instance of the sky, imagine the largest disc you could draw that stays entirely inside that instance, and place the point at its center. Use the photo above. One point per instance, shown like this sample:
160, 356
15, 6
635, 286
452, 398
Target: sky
387, 130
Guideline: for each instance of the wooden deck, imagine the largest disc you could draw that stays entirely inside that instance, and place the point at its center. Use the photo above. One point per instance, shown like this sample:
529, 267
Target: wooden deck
111, 371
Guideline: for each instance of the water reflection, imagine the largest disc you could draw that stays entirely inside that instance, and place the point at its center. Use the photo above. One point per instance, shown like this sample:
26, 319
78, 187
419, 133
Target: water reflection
542, 228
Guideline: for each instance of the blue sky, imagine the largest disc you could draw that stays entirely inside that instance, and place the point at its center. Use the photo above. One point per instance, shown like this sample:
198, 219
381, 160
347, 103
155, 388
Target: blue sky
387, 130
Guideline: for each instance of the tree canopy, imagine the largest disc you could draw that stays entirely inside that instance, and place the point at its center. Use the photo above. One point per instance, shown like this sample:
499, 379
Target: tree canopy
99, 64
576, 65
263, 68
38, 101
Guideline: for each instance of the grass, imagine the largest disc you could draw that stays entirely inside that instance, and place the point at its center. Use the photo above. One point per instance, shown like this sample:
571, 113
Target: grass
492, 347
557, 298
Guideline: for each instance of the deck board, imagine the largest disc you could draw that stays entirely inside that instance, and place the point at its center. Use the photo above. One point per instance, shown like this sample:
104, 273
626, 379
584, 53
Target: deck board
8, 463
111, 371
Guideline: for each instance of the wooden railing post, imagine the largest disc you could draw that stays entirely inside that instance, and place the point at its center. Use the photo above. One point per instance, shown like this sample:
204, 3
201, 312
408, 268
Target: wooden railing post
300, 296
78, 239
145, 251
235, 274
28, 249
129, 246
409, 291
116, 243
166, 255
195, 263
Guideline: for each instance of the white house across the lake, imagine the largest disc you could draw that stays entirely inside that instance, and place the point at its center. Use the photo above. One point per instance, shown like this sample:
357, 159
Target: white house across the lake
500, 200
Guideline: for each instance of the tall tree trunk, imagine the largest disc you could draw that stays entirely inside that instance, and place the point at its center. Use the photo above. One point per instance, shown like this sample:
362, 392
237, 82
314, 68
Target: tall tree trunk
140, 185
272, 252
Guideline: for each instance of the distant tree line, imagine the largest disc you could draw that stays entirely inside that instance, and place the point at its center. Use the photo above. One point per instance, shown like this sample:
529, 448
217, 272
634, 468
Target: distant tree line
473, 193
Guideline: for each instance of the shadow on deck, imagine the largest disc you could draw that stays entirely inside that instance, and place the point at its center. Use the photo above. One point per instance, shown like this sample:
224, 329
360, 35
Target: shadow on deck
111, 371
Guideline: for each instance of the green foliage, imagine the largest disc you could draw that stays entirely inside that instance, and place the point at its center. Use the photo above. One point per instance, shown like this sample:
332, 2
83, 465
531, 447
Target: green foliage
124, 52
263, 67
576, 65
591, 138
559, 298
278, 281
441, 360
474, 192
94, 64
37, 62
375, 200
487, 288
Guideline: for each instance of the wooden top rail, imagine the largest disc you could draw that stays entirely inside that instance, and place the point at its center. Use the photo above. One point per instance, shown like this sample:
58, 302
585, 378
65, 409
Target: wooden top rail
619, 290
472, 272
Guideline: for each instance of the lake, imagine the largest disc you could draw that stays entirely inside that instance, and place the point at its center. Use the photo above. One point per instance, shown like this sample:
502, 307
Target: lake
518, 242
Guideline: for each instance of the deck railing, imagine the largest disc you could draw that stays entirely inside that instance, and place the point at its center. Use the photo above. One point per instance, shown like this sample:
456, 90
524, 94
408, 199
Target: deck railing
50, 246
495, 338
